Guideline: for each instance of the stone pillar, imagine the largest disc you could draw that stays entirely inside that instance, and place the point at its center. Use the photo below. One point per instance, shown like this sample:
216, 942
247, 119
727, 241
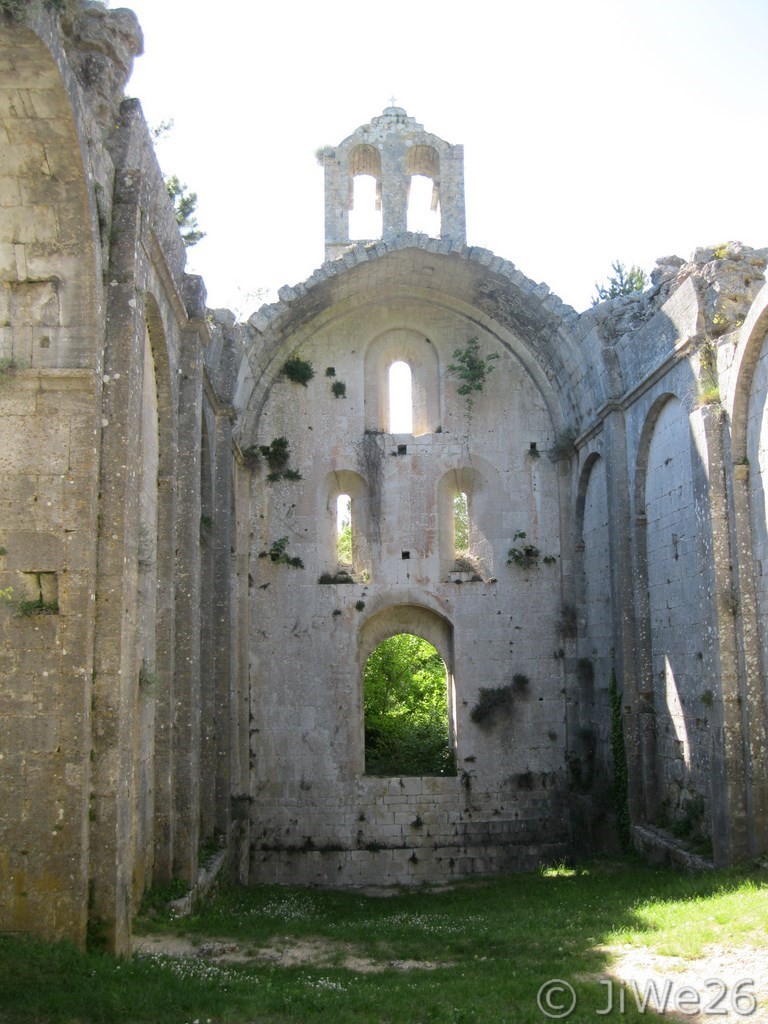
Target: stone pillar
633, 699
188, 594
754, 696
240, 727
453, 221
115, 665
394, 192
165, 668
223, 680
337, 187
730, 831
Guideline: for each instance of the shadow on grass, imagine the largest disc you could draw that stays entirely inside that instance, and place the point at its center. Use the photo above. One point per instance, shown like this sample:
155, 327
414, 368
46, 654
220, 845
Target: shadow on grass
499, 940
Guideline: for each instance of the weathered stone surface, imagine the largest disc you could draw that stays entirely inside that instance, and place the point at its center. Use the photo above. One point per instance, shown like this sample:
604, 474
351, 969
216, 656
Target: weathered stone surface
163, 681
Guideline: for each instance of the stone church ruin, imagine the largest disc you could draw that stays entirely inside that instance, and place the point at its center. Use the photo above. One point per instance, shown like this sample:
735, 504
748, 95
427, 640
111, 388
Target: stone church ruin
182, 646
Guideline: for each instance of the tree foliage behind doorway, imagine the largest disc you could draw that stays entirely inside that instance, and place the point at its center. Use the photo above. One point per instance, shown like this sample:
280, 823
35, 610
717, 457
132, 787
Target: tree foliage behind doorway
406, 710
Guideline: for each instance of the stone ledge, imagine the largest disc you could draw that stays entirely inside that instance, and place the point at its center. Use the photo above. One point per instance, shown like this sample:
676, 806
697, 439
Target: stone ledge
660, 847
206, 877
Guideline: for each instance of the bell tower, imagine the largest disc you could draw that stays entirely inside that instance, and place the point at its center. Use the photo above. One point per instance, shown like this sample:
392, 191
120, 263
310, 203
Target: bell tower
392, 149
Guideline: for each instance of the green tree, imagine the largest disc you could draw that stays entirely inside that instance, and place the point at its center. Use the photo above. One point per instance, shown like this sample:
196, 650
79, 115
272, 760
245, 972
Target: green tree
345, 543
406, 709
184, 206
460, 523
621, 282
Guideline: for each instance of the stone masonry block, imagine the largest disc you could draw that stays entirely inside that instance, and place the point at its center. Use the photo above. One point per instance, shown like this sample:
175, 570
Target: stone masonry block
30, 551
38, 734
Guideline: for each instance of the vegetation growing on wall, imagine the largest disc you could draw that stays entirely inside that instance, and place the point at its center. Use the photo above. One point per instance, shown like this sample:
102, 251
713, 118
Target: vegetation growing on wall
184, 207
298, 370
26, 608
277, 455
620, 282
563, 445
472, 368
8, 367
278, 553
406, 709
496, 703
708, 383
525, 556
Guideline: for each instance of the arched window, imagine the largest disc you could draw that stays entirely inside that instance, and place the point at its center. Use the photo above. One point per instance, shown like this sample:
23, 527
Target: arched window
423, 168
423, 208
344, 529
365, 217
365, 213
343, 526
415, 386
405, 700
400, 399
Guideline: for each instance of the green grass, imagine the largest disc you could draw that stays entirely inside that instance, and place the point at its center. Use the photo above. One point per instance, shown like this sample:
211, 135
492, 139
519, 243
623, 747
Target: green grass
497, 940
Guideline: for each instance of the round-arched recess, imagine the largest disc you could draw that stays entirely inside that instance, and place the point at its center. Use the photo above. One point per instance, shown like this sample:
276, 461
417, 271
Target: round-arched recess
336, 483
469, 482
593, 575
407, 618
421, 622
673, 628
418, 352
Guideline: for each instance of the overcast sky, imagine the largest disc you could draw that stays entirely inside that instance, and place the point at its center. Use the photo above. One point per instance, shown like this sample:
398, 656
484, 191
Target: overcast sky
593, 130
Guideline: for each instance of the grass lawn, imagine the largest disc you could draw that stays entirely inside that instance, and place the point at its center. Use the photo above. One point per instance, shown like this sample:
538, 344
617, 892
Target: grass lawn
477, 953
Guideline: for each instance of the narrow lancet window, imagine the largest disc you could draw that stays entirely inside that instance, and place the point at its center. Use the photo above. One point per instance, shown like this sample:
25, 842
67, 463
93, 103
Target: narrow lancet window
400, 399
460, 525
344, 529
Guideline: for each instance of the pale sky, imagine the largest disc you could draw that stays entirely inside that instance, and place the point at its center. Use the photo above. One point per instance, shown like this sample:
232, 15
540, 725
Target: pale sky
593, 130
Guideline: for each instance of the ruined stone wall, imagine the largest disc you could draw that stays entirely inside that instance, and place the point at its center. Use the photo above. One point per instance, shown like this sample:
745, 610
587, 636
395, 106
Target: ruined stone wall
310, 639
164, 680
101, 398
50, 397
687, 630
757, 459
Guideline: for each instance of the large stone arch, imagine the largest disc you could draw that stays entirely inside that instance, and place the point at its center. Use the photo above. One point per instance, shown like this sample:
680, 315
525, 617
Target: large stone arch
406, 617
492, 295
50, 341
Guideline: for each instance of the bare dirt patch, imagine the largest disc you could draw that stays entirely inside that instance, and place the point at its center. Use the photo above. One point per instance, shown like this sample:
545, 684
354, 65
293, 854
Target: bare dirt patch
702, 989
281, 952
